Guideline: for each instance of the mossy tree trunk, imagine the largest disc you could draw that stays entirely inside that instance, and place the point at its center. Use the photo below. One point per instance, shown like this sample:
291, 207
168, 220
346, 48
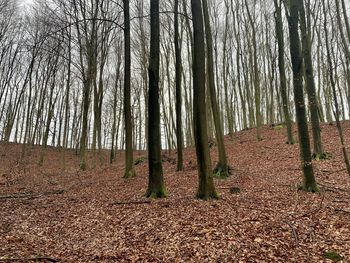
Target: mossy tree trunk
309, 182
156, 188
206, 188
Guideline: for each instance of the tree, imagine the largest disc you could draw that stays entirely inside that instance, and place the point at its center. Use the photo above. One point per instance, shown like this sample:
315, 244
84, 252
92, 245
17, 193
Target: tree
309, 182
88, 35
222, 168
206, 188
257, 91
129, 163
334, 92
156, 188
282, 71
178, 78
310, 85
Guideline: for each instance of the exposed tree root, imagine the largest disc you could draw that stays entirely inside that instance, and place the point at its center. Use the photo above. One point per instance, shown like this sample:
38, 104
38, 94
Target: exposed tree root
156, 193
130, 174
222, 171
322, 156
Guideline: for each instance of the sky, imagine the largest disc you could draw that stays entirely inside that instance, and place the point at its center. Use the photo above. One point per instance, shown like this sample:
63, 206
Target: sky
27, 2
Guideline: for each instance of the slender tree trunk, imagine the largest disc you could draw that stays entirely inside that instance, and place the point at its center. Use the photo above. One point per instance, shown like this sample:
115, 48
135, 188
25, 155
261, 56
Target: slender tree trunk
282, 71
309, 182
222, 168
206, 189
178, 78
333, 84
129, 163
310, 85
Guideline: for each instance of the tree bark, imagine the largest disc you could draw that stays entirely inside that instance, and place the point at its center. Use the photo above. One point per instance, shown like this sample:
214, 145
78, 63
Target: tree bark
222, 169
309, 182
129, 163
282, 71
206, 189
156, 188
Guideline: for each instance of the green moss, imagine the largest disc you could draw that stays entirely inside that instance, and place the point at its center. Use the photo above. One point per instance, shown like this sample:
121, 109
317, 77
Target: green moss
129, 174
82, 166
208, 196
154, 193
323, 156
140, 160
222, 172
334, 256
309, 189
278, 127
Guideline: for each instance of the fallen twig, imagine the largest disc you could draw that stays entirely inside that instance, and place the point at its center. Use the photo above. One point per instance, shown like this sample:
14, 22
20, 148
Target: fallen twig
294, 232
314, 210
333, 188
30, 195
140, 202
333, 172
342, 210
35, 259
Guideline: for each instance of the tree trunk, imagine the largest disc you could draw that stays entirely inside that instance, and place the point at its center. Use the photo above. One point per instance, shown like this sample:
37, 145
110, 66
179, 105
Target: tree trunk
222, 169
178, 78
310, 85
282, 71
309, 182
333, 84
156, 188
129, 163
206, 189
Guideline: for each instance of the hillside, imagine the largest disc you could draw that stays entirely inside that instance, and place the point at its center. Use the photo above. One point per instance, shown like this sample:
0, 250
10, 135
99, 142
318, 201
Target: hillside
96, 216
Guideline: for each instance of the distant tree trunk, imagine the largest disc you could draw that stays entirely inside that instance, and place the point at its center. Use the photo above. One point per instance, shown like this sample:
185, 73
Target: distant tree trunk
222, 168
66, 114
129, 163
310, 85
282, 71
309, 182
115, 96
206, 189
50, 114
256, 78
88, 78
156, 188
178, 78
336, 104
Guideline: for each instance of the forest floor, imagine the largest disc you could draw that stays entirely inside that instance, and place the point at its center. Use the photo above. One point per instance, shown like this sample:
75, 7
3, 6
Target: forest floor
96, 216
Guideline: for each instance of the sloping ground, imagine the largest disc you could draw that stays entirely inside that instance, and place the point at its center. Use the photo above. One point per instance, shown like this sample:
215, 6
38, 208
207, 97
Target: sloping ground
101, 217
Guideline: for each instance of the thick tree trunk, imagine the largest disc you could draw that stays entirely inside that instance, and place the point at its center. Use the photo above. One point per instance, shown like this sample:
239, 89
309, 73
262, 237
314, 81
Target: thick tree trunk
156, 188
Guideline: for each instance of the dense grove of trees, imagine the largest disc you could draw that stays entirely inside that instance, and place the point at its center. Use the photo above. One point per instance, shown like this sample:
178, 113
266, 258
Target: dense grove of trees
128, 75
